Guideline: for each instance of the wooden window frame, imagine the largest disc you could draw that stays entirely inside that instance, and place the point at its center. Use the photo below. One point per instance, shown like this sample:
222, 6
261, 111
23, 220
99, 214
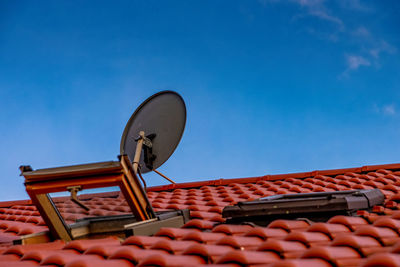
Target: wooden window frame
40, 183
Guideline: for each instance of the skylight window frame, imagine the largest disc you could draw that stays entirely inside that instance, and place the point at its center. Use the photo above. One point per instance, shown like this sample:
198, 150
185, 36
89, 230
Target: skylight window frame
40, 183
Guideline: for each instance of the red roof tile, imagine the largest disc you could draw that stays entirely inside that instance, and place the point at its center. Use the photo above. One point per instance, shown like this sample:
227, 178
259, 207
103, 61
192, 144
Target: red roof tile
61, 259
340, 256
204, 237
172, 246
386, 236
267, 233
351, 222
134, 254
289, 225
171, 260
329, 229
370, 239
309, 238
301, 263
20, 250
209, 252
248, 257
102, 250
285, 249
240, 242
365, 245
383, 259
98, 263
175, 233
83, 245
232, 229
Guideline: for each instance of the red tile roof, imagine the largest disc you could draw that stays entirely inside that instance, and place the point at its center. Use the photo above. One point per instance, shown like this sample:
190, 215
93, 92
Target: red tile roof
370, 239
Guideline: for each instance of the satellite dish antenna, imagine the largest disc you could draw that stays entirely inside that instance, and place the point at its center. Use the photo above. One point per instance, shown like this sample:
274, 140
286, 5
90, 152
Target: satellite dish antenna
149, 139
155, 128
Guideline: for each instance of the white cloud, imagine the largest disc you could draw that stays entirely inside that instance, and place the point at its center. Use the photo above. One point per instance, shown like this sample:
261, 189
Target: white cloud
362, 32
389, 110
309, 3
354, 5
325, 16
382, 46
374, 46
316, 8
370, 48
354, 62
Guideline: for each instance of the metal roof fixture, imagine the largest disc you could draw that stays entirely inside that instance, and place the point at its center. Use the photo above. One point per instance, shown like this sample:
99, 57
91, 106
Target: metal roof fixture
149, 139
313, 206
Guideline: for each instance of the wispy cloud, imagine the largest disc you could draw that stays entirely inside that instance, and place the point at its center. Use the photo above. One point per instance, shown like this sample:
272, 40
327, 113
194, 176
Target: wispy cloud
316, 8
325, 16
389, 110
375, 46
386, 109
366, 48
361, 32
354, 62
382, 46
370, 50
355, 5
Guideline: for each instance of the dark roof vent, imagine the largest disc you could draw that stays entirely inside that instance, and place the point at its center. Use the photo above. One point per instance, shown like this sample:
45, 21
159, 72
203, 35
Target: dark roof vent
314, 206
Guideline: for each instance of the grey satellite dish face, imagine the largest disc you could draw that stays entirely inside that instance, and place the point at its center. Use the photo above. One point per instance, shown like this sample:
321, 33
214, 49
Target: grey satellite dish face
162, 118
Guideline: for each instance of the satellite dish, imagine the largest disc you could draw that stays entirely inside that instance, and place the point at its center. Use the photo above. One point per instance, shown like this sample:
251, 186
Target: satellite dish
156, 126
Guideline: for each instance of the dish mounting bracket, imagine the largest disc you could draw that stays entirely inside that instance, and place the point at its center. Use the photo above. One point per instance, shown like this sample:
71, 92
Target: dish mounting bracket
144, 143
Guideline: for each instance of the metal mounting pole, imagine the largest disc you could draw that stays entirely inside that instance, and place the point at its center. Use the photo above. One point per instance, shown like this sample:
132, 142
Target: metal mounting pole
138, 152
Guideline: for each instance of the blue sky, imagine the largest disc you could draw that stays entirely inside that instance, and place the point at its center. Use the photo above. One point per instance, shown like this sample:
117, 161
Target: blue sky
270, 86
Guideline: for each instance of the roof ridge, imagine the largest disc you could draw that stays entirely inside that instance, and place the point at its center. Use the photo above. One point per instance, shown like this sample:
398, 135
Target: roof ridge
274, 177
